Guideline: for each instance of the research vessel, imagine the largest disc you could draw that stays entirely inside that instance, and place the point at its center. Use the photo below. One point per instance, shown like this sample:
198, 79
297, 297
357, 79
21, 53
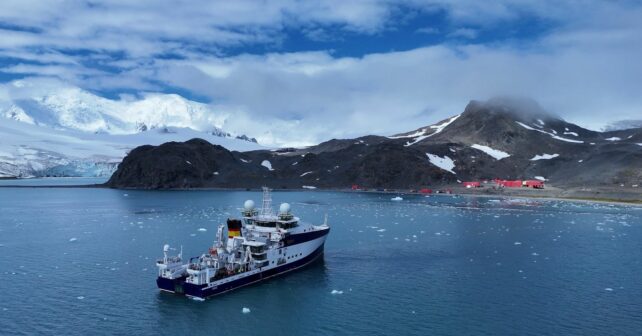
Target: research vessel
257, 246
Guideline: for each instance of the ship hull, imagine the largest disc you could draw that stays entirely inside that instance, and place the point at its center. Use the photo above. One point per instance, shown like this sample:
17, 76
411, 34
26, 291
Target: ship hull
171, 285
205, 291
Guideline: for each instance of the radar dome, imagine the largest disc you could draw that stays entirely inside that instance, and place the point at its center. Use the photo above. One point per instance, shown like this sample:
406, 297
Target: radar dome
249, 205
166, 248
284, 208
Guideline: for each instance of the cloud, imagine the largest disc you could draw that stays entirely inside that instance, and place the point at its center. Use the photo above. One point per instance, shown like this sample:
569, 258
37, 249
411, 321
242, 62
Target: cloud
466, 33
586, 69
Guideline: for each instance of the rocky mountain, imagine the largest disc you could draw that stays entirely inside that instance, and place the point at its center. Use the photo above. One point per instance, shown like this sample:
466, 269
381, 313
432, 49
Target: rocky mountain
58, 130
499, 138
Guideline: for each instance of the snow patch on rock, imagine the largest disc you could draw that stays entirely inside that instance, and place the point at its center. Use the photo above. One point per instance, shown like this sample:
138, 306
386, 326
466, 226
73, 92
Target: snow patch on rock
551, 134
544, 157
420, 135
267, 165
444, 163
495, 153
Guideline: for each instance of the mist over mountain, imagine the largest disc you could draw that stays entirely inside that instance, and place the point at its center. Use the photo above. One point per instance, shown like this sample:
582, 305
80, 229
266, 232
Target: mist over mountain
623, 125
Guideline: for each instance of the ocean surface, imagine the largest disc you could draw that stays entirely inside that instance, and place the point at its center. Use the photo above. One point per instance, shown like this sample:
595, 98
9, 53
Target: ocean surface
80, 261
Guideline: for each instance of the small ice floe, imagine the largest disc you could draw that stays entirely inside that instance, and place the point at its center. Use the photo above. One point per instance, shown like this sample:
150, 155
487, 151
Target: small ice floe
246, 310
202, 229
192, 234
308, 187
197, 298
80, 297
73, 239
613, 139
381, 230
517, 243
215, 173
535, 254
397, 198
608, 289
125, 195
336, 292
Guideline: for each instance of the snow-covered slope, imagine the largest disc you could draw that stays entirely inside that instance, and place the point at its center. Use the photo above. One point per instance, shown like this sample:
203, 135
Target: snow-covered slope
50, 128
61, 106
30, 150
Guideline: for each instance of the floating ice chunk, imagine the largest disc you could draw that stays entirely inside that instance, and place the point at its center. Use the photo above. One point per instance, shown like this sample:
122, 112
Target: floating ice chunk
197, 298
306, 173
517, 243
308, 187
381, 230
80, 297
336, 292
613, 139
608, 289
73, 239
246, 310
202, 229
125, 195
397, 198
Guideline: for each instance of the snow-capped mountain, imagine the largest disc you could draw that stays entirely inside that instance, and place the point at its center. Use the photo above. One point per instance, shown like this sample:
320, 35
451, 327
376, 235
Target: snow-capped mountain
66, 107
498, 138
54, 129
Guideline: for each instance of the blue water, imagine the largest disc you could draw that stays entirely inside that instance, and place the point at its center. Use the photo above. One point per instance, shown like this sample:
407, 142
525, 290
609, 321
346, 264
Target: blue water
81, 262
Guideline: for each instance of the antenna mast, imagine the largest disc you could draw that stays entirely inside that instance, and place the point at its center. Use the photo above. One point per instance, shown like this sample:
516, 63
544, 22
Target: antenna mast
266, 211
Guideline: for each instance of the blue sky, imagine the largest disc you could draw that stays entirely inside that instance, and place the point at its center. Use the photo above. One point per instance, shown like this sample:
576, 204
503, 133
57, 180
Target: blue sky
336, 68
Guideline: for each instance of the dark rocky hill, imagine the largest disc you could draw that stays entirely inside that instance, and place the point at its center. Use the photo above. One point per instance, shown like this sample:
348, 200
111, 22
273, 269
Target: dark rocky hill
500, 138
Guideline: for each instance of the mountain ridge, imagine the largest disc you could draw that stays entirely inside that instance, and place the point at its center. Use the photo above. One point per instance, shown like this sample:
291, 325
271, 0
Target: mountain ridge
487, 140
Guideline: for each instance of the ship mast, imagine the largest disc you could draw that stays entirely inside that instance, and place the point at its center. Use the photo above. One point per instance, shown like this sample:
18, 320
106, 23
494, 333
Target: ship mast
266, 210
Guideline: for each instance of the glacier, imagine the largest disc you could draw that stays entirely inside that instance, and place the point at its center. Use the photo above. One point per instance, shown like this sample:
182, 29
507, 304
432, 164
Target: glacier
48, 128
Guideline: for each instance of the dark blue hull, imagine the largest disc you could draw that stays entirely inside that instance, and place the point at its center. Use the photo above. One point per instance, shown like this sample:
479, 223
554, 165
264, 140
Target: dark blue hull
202, 292
171, 285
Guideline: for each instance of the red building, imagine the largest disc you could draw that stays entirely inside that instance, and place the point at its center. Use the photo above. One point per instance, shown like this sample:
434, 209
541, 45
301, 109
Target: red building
510, 183
537, 184
425, 191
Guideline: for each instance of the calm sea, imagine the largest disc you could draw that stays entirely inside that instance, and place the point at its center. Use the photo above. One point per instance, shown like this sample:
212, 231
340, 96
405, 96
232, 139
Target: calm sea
81, 262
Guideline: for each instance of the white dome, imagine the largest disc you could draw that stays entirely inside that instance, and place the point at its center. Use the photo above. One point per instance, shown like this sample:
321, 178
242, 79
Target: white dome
166, 248
249, 205
284, 208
